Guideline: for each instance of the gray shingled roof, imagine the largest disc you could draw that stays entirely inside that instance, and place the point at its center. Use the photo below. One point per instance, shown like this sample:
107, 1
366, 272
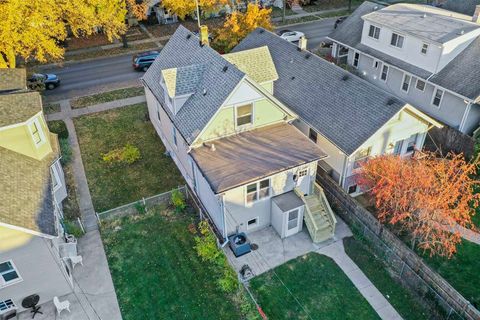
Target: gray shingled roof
462, 6
422, 21
456, 76
182, 50
344, 108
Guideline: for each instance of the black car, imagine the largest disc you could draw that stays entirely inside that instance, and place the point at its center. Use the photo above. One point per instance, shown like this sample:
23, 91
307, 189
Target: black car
48, 81
142, 61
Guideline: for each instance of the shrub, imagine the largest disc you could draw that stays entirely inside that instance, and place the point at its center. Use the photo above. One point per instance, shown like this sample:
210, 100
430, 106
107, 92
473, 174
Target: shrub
72, 228
178, 201
59, 127
125, 155
206, 245
66, 151
229, 281
140, 207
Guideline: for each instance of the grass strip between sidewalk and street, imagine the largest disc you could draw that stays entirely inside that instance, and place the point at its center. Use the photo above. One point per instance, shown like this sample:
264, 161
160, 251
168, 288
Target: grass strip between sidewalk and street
108, 96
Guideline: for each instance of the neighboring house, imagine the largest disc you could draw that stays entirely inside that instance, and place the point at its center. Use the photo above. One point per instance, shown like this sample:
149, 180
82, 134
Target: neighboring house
427, 56
163, 15
348, 117
32, 187
462, 6
231, 139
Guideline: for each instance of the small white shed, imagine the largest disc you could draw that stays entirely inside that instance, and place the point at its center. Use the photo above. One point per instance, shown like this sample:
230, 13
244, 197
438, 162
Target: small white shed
287, 214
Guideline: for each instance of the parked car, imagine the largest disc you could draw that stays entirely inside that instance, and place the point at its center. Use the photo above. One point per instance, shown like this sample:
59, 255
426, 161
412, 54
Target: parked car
143, 61
292, 36
338, 21
40, 80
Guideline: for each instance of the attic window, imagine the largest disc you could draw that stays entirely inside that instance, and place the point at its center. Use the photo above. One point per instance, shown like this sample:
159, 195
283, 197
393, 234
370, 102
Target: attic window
244, 115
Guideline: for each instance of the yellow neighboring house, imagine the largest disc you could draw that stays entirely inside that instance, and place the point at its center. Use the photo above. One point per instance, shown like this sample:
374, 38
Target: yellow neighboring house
34, 256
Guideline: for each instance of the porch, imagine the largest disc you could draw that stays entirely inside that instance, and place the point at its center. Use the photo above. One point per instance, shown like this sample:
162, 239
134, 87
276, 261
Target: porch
272, 251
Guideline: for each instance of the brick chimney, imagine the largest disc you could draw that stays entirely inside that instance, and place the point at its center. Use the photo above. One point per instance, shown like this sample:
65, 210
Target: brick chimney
204, 36
476, 15
302, 43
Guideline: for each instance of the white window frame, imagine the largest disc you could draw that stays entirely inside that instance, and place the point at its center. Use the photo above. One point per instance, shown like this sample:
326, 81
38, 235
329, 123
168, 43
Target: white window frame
396, 42
375, 28
403, 82
4, 284
441, 97
426, 48
36, 122
424, 85
257, 191
256, 224
55, 177
386, 74
355, 53
247, 125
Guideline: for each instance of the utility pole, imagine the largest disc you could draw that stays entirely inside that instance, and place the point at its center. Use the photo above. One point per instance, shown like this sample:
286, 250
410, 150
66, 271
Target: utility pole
284, 10
198, 15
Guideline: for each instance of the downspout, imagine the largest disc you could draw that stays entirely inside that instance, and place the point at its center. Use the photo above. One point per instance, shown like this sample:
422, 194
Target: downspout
465, 116
224, 222
344, 172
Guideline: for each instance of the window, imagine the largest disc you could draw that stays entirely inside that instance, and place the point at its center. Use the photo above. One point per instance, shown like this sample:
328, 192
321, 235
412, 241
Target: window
437, 97
384, 73
375, 64
8, 273
374, 32
397, 40
356, 58
174, 134
244, 115
406, 82
352, 189
424, 48
411, 143
312, 134
420, 85
258, 190
252, 223
397, 150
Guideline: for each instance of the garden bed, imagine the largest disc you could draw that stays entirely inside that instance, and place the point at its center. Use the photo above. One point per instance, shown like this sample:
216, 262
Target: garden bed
112, 185
317, 289
157, 273
106, 97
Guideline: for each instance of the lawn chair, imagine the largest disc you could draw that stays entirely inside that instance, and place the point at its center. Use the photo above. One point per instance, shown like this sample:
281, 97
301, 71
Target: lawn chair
61, 305
76, 260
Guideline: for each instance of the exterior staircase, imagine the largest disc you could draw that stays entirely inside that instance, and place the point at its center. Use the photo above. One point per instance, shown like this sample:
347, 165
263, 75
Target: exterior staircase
318, 216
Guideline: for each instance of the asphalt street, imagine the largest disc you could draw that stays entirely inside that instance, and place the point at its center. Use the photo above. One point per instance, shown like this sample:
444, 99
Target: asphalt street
109, 73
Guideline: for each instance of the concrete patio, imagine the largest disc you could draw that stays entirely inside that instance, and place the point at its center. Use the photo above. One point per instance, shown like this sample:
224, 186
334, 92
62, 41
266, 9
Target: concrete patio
273, 251
94, 295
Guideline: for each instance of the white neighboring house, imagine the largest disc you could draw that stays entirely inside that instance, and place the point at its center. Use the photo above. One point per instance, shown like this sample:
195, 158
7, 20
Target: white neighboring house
348, 117
32, 188
425, 55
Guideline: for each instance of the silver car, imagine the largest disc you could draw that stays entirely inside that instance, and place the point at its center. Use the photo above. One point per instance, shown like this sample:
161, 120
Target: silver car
292, 36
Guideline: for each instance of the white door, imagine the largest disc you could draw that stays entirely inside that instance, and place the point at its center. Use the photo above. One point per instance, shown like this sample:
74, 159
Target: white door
303, 180
293, 221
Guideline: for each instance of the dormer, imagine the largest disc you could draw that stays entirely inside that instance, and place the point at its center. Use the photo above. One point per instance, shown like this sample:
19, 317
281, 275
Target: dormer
424, 36
179, 84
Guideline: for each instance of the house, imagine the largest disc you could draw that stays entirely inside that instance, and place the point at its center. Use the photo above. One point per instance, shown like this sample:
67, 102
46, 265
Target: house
231, 139
424, 55
348, 117
32, 244
164, 16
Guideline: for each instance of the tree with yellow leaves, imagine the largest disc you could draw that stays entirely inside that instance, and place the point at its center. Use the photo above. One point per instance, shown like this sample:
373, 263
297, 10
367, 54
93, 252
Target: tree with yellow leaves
34, 29
238, 25
183, 8
137, 8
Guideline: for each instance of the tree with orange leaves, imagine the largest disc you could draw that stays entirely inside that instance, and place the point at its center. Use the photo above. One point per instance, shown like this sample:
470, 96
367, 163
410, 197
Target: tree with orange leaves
238, 25
427, 196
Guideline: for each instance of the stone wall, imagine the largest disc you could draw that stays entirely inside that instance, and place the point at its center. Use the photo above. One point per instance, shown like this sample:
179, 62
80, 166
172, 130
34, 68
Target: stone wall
403, 262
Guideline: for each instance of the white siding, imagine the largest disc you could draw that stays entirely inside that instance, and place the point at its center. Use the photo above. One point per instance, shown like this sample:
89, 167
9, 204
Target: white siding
243, 93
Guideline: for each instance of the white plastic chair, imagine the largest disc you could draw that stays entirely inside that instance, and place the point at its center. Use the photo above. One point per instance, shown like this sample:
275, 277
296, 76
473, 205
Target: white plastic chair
76, 260
63, 305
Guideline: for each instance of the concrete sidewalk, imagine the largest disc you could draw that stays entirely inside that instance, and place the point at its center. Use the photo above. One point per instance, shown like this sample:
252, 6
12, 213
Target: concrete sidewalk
374, 297
94, 296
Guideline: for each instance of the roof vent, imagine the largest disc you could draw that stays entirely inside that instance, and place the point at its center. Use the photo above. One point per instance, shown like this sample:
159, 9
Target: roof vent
345, 77
291, 60
299, 49
262, 31
375, 8
189, 36
424, 15
292, 78
225, 69
307, 56
212, 147
204, 92
461, 32
391, 101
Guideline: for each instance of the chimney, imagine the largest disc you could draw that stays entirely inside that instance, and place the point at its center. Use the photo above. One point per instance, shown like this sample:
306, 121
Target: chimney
476, 15
302, 43
204, 35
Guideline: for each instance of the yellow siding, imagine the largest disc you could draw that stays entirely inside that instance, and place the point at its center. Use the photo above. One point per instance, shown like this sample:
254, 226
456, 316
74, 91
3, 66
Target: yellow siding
19, 139
223, 124
268, 86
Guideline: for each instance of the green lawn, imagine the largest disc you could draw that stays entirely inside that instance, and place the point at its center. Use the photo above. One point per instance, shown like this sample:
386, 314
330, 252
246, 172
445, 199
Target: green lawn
400, 298
115, 185
107, 97
318, 284
49, 108
462, 271
157, 273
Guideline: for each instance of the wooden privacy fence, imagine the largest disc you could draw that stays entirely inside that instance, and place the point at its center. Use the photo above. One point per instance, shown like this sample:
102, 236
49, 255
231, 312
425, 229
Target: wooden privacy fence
402, 261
